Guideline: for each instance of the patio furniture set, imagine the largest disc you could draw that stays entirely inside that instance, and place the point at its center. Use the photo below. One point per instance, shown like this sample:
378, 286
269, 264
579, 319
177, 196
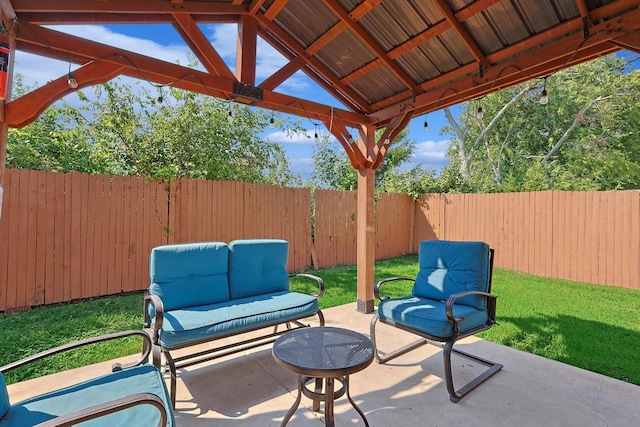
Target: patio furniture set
203, 292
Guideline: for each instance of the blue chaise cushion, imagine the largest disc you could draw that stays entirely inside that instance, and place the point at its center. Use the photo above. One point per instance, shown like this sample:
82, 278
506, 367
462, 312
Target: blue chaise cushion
257, 267
428, 316
448, 268
115, 385
191, 274
4, 397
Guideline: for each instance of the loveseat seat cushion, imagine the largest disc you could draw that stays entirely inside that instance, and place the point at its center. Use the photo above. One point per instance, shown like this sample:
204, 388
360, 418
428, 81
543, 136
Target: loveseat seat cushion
190, 325
189, 274
257, 267
429, 316
115, 385
448, 267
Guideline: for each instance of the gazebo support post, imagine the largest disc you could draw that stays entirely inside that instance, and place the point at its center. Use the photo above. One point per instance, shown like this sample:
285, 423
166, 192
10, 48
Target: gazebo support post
366, 228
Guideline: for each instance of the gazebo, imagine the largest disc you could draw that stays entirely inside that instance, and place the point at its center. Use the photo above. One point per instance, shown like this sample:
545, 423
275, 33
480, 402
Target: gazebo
386, 62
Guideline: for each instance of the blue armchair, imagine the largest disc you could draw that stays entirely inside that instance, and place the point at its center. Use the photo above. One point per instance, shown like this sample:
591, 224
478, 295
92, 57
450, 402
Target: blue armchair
451, 299
130, 395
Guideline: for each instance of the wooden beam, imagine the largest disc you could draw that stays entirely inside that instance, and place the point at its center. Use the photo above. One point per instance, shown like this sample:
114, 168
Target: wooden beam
200, 45
275, 8
27, 108
339, 11
287, 46
58, 45
127, 7
464, 35
246, 50
563, 53
280, 76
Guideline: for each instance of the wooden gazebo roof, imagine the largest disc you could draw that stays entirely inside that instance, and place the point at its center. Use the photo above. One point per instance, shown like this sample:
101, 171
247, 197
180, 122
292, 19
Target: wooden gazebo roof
385, 61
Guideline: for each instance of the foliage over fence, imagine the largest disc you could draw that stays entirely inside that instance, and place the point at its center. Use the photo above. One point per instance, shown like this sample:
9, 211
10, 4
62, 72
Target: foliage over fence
71, 236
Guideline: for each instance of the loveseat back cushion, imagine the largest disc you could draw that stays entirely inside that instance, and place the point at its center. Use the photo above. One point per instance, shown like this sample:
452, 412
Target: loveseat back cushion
190, 274
257, 267
4, 397
447, 268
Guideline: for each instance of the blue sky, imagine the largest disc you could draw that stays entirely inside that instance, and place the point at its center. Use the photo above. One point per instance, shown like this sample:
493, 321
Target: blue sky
161, 41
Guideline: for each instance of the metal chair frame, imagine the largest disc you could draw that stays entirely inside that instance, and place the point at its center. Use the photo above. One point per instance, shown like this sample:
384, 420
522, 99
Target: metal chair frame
445, 342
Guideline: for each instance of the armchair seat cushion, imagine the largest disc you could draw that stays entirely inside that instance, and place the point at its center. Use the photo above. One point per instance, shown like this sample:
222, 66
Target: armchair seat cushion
194, 324
109, 387
428, 316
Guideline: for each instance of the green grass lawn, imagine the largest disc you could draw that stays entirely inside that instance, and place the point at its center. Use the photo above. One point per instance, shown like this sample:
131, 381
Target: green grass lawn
589, 326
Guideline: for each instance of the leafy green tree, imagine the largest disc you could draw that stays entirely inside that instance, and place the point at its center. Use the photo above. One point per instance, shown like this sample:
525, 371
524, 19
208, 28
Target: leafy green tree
585, 138
125, 130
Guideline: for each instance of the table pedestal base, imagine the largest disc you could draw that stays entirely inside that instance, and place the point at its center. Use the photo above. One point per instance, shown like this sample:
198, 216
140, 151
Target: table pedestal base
329, 395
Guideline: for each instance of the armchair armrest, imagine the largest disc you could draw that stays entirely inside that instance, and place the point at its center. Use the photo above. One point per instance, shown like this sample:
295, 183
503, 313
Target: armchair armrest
491, 305
376, 289
65, 347
154, 302
109, 408
318, 280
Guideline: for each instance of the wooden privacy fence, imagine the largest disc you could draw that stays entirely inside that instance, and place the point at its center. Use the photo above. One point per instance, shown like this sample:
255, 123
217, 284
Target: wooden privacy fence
70, 236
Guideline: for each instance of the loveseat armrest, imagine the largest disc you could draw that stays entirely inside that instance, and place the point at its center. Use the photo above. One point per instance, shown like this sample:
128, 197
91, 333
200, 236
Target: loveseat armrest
153, 302
318, 280
376, 288
93, 340
107, 408
491, 305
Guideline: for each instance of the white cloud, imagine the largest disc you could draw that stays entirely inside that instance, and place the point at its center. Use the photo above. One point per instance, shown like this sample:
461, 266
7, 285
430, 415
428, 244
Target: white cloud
431, 154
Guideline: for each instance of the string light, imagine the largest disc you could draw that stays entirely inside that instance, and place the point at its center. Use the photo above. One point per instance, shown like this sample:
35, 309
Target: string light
230, 115
426, 125
272, 121
71, 80
479, 113
544, 97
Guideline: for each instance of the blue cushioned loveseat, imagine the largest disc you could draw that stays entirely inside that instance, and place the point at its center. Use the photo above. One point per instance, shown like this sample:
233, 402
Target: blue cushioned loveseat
205, 291
130, 395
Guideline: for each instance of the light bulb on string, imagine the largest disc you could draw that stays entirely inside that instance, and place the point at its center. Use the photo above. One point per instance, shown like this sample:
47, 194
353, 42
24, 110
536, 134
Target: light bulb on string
544, 96
479, 113
426, 125
71, 80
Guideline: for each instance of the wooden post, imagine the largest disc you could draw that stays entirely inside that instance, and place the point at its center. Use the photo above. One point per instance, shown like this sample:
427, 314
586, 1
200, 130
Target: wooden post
366, 230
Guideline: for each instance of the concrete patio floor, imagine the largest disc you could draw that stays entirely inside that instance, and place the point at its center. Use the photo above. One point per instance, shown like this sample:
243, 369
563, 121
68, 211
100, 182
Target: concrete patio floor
251, 390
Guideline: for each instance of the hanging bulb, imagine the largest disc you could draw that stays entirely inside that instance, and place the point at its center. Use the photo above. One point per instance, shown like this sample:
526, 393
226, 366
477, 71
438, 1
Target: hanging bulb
544, 98
426, 126
160, 99
479, 114
315, 135
71, 81
230, 116
272, 122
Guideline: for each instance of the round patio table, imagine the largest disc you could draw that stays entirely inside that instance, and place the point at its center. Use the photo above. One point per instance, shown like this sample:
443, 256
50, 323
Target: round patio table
323, 354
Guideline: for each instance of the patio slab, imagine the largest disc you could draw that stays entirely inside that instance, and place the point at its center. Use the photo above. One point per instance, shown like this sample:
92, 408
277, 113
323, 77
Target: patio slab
250, 389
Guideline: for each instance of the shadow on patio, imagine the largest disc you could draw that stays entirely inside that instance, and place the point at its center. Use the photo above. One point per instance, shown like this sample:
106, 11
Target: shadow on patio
251, 390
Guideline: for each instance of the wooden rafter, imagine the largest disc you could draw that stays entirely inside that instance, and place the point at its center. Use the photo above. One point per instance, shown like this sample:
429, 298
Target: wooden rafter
339, 11
460, 31
200, 46
349, 96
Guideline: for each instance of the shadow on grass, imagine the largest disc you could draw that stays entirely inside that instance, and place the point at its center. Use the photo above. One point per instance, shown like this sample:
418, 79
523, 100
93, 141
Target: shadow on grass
595, 346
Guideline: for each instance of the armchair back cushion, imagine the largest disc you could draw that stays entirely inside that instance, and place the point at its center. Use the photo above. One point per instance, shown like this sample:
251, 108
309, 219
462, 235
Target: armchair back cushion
448, 267
189, 275
258, 267
4, 397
